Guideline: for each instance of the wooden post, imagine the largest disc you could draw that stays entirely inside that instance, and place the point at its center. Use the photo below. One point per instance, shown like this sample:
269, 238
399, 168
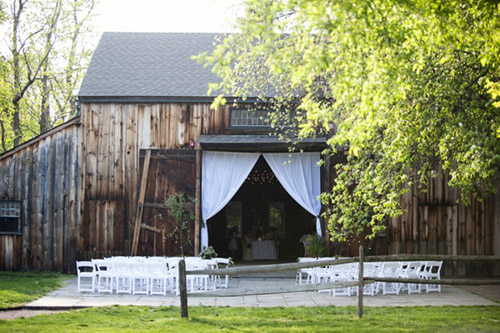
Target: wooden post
197, 210
183, 288
361, 281
140, 203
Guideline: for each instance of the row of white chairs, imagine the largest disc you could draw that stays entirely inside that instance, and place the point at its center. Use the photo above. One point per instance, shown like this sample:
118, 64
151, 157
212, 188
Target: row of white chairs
430, 270
146, 275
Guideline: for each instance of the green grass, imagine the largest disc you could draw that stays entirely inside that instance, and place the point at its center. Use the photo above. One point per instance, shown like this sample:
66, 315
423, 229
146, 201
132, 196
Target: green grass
19, 288
300, 319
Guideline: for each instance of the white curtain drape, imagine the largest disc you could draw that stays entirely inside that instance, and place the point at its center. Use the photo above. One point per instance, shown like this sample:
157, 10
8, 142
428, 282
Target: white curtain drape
299, 174
223, 173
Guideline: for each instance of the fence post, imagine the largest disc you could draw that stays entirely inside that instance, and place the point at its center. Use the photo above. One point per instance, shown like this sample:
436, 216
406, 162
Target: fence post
361, 281
183, 289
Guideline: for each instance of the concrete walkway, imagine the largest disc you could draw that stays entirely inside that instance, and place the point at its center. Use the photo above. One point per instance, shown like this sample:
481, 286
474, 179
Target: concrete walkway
68, 297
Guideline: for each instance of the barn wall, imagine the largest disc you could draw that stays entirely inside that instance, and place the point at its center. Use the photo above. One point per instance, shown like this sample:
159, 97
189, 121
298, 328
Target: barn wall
44, 174
433, 222
436, 222
114, 134
79, 187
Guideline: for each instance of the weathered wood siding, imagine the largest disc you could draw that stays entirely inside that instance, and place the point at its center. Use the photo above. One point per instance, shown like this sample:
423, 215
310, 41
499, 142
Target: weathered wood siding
79, 187
170, 171
44, 174
435, 222
114, 134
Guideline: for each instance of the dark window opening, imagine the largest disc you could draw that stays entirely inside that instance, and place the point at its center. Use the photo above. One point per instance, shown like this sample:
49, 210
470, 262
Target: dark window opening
10, 217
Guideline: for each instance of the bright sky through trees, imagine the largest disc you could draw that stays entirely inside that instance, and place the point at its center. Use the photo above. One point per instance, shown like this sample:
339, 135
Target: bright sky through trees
166, 15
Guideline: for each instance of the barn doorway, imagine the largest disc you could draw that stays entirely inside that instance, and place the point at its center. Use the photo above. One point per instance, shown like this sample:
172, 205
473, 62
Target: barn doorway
260, 209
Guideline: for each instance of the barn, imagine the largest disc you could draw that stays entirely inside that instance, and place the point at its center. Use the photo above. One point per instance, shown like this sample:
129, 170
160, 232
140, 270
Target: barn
96, 185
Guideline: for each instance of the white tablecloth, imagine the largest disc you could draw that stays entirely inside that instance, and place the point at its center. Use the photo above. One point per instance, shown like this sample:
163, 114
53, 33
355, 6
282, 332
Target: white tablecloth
263, 250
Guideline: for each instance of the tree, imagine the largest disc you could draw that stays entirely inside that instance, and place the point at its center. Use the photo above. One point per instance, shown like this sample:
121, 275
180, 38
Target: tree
65, 67
411, 88
4, 91
45, 64
176, 206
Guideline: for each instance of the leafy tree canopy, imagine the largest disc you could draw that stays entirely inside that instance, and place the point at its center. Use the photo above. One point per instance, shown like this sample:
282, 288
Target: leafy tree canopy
44, 55
410, 87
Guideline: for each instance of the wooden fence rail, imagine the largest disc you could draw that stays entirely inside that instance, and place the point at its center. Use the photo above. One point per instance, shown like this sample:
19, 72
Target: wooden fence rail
331, 262
362, 280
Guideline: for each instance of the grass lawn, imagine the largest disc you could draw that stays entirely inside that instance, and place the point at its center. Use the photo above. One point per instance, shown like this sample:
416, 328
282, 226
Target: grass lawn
300, 319
19, 288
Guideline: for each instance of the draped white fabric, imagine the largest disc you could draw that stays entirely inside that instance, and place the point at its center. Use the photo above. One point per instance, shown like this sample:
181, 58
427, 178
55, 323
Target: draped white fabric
299, 174
223, 173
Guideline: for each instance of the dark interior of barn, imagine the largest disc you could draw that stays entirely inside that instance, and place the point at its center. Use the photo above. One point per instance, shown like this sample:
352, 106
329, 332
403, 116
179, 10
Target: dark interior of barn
261, 209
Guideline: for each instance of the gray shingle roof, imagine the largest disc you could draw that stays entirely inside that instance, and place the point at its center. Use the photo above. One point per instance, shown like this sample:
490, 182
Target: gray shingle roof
149, 65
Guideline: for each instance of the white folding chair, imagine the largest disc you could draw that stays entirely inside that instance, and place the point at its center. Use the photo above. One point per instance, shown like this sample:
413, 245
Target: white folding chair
123, 276
222, 263
309, 272
344, 273
391, 269
86, 276
324, 275
197, 282
370, 269
172, 274
158, 284
432, 272
413, 270
105, 275
140, 278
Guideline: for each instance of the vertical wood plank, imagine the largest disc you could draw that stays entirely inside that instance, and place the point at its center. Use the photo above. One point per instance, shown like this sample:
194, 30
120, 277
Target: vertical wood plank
48, 207
449, 229
58, 219
132, 170
27, 197
155, 127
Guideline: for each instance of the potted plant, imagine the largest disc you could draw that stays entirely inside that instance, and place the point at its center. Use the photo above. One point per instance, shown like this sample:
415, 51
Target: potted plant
316, 247
208, 253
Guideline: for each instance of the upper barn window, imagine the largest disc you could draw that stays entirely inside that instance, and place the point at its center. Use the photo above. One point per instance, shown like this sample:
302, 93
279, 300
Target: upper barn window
249, 118
10, 217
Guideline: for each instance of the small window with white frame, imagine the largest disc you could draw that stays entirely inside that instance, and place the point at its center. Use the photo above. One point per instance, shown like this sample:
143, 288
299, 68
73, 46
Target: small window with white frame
249, 118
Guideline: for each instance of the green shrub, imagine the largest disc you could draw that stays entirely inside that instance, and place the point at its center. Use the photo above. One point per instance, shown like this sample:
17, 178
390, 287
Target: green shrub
316, 247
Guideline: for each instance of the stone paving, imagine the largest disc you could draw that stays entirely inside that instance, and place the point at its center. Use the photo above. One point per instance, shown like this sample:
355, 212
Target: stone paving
68, 297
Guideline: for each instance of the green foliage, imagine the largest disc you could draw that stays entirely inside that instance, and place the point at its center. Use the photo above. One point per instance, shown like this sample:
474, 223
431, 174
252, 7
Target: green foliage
176, 205
208, 253
46, 58
316, 247
411, 89
278, 319
19, 288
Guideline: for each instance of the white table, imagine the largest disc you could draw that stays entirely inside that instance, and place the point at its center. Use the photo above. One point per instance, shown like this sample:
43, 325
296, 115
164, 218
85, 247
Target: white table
264, 250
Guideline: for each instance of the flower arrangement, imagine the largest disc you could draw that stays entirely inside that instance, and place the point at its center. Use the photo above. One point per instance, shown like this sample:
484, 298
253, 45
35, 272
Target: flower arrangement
208, 253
